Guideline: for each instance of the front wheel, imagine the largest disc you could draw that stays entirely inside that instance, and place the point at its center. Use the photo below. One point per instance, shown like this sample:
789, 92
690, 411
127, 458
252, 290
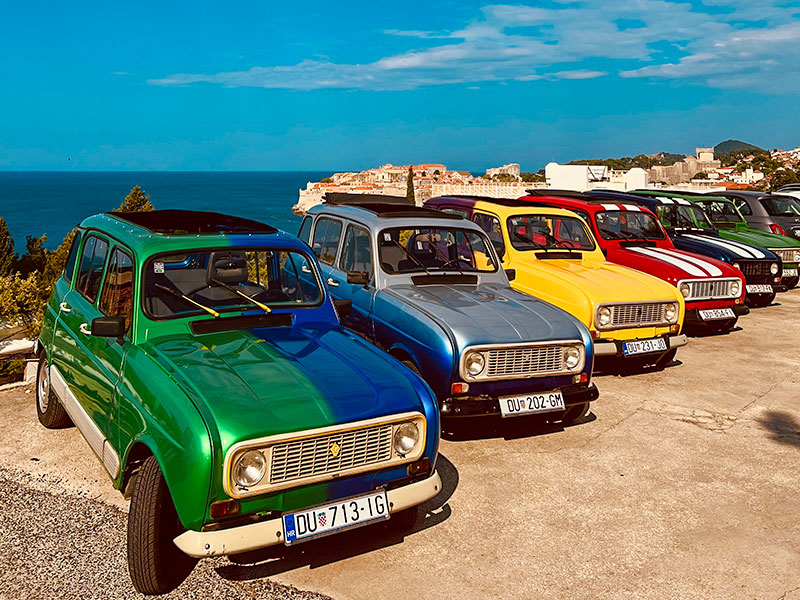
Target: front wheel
575, 413
48, 407
155, 563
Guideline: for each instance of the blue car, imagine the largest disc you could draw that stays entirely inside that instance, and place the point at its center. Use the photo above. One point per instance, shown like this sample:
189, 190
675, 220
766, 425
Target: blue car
691, 230
427, 287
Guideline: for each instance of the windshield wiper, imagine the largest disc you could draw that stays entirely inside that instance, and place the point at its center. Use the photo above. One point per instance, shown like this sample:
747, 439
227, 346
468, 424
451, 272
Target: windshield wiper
177, 294
411, 256
525, 238
233, 290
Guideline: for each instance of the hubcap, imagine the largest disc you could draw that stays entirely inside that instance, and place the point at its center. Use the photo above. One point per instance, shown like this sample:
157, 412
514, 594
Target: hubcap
43, 389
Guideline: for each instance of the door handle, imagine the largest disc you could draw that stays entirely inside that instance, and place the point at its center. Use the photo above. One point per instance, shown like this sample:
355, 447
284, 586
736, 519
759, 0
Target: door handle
305, 269
65, 307
85, 329
332, 282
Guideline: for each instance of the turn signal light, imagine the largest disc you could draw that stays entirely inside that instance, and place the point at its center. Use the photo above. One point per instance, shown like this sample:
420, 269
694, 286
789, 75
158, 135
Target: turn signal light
582, 378
459, 388
595, 333
777, 229
421, 466
224, 508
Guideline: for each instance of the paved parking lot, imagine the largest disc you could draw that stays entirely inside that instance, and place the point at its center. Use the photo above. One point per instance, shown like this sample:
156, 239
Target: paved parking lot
681, 484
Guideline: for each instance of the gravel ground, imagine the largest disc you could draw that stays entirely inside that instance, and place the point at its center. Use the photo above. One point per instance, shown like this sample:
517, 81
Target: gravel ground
64, 546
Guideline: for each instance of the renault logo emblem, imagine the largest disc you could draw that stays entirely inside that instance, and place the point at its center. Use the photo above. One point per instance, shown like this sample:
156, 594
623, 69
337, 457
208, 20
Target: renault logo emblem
335, 449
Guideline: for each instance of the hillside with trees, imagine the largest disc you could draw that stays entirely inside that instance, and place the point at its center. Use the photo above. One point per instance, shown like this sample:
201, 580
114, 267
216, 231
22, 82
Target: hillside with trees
643, 161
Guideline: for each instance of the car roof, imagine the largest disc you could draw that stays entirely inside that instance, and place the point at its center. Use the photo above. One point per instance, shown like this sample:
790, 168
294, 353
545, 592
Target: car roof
377, 215
508, 203
175, 230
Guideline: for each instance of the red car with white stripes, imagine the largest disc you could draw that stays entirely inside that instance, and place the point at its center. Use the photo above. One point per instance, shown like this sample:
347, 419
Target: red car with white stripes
632, 236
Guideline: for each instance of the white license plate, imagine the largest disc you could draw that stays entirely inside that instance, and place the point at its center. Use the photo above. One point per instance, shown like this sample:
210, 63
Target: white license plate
790, 272
511, 406
337, 516
644, 346
759, 289
716, 313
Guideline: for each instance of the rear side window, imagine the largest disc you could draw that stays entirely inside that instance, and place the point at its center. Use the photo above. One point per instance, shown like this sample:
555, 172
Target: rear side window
491, 225
90, 271
326, 240
116, 300
305, 229
743, 206
69, 268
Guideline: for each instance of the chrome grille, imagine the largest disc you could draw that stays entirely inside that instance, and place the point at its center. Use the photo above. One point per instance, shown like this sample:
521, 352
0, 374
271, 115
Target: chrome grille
299, 459
711, 289
788, 255
755, 267
525, 361
636, 315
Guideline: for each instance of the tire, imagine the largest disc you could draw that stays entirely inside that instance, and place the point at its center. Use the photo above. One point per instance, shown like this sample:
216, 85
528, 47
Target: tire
155, 563
48, 407
405, 520
667, 358
575, 413
412, 365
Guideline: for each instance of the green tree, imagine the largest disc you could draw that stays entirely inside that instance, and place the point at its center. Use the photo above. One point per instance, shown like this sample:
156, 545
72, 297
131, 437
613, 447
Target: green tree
326, 180
136, 201
780, 178
530, 177
8, 258
56, 261
410, 186
700, 175
35, 257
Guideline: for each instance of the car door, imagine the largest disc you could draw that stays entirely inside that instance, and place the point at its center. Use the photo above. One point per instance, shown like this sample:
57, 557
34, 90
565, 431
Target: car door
84, 377
325, 244
356, 257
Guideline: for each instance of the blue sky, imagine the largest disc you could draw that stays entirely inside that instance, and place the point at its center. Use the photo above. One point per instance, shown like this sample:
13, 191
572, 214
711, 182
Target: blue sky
322, 85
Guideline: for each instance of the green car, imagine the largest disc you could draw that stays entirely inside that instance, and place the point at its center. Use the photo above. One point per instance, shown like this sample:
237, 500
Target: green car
203, 360
732, 225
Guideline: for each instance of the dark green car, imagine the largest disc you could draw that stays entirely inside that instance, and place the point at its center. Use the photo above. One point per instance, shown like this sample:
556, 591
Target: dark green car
731, 225
202, 359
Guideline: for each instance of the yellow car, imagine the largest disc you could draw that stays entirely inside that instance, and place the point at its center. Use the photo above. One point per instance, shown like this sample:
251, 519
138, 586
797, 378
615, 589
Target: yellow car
551, 254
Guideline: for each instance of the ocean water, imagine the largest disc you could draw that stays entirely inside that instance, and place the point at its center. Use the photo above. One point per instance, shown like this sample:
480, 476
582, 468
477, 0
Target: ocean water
33, 203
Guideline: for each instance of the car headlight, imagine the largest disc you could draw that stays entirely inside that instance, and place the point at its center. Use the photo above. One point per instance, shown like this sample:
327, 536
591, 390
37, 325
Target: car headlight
671, 312
603, 316
474, 363
249, 469
773, 268
736, 266
572, 357
406, 437
736, 288
685, 290
797, 256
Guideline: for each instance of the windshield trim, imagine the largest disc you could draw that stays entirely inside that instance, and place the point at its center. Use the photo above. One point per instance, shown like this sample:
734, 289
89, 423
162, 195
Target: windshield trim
486, 241
576, 218
244, 307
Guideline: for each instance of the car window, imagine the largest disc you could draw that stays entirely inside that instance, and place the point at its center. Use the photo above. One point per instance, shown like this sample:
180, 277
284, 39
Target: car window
543, 231
356, 252
781, 206
116, 299
721, 211
219, 279
683, 216
305, 229
628, 224
491, 225
69, 268
90, 272
326, 240
743, 206
455, 211
427, 249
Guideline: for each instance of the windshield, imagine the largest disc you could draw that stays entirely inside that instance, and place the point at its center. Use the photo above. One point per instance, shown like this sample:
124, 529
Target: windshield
683, 216
722, 211
428, 249
781, 206
544, 232
627, 225
219, 279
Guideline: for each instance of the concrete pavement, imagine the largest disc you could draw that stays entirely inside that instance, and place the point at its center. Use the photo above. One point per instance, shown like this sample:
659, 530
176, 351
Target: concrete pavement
681, 484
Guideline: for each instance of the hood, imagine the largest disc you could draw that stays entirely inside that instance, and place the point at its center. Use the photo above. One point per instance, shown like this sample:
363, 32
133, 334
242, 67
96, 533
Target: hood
761, 239
720, 248
671, 264
490, 314
261, 382
598, 281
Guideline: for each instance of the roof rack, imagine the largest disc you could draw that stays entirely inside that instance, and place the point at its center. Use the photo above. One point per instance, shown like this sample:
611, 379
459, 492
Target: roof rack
184, 222
399, 211
346, 198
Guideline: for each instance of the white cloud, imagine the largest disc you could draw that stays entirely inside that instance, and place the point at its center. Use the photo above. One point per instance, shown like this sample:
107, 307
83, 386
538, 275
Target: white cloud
568, 41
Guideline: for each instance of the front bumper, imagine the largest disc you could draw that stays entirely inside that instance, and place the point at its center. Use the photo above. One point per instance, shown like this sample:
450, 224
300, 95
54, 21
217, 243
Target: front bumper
473, 406
614, 347
254, 536
693, 318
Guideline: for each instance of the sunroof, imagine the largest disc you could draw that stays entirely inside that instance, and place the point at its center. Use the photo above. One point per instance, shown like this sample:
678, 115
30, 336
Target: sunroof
404, 210
177, 222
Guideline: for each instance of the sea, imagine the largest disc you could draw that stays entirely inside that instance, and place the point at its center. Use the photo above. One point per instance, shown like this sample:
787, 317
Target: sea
53, 202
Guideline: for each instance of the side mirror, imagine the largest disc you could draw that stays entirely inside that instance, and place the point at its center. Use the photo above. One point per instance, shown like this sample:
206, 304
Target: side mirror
511, 274
358, 278
343, 307
111, 327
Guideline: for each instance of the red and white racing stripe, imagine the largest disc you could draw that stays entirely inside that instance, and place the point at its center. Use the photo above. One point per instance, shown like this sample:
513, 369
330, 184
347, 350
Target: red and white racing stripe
631, 207
712, 269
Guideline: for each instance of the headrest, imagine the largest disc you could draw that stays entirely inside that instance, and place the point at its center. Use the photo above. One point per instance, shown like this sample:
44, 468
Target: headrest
227, 267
